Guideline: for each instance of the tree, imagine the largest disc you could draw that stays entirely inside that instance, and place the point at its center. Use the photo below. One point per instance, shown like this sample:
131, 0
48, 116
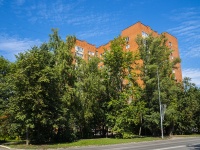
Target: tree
118, 66
89, 93
122, 89
65, 70
43, 87
35, 105
156, 63
196, 115
5, 94
188, 108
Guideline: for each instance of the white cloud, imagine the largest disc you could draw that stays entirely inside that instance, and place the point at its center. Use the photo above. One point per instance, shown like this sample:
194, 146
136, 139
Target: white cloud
183, 14
69, 13
94, 32
193, 50
10, 46
194, 74
63, 12
91, 19
57, 12
187, 30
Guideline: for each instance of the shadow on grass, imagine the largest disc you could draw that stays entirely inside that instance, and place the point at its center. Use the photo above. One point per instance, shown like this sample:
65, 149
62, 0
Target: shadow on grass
4, 142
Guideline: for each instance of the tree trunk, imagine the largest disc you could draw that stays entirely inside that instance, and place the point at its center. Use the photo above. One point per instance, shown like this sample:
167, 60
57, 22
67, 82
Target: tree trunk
140, 129
171, 130
27, 138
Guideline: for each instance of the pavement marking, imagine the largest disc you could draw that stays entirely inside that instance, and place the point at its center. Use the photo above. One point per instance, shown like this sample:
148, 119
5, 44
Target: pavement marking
120, 148
130, 145
170, 147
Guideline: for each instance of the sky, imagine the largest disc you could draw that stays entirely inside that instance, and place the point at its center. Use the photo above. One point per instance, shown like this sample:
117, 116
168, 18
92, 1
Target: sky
26, 23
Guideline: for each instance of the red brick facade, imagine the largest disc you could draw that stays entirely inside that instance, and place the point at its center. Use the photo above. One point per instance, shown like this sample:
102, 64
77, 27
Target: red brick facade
85, 50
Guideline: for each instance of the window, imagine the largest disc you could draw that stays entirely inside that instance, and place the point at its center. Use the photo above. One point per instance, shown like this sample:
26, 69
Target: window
127, 46
171, 55
170, 43
127, 39
79, 49
144, 34
79, 55
90, 53
173, 71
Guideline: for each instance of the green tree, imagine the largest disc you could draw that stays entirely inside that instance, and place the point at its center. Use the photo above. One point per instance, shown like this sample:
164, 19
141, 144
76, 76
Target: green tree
35, 106
43, 80
117, 65
122, 90
87, 106
156, 64
197, 117
65, 70
188, 108
5, 94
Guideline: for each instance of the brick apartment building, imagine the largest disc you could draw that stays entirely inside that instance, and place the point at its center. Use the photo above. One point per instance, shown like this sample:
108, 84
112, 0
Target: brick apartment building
86, 50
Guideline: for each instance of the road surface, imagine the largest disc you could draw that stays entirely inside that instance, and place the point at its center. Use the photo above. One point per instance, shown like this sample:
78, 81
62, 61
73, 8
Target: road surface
172, 144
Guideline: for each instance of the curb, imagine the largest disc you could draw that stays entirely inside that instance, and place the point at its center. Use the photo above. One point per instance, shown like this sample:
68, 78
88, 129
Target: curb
6, 147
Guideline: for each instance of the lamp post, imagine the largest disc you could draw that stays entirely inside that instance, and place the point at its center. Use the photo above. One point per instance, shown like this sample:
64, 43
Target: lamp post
161, 116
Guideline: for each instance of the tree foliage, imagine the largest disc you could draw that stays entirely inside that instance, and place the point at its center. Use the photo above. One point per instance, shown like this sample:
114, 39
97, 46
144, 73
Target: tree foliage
35, 105
89, 93
122, 91
6, 91
157, 69
50, 95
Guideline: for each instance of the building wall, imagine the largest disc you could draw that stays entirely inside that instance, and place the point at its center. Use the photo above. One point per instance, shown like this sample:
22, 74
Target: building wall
101, 50
140, 29
133, 31
131, 34
172, 43
84, 50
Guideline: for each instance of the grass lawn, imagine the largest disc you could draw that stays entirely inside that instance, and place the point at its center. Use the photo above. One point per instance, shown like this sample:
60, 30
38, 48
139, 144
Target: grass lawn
87, 142
190, 135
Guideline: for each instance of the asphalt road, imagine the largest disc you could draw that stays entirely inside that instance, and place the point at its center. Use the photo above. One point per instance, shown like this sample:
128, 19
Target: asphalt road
172, 144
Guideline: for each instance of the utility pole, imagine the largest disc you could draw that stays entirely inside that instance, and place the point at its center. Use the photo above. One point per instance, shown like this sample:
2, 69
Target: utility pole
161, 117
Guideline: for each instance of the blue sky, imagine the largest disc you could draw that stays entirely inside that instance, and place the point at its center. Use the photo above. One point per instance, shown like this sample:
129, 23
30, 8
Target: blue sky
25, 23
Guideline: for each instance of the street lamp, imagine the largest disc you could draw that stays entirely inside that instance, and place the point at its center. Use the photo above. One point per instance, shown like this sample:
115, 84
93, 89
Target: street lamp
161, 115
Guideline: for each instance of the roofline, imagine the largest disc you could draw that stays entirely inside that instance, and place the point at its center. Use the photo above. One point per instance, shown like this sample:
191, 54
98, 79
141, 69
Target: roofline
141, 24
104, 44
125, 29
86, 42
169, 34
132, 25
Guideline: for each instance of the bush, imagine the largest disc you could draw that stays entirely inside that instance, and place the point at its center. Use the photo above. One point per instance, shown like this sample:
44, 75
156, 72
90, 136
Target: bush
127, 135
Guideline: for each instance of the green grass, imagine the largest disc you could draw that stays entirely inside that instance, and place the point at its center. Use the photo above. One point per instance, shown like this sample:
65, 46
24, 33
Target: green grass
86, 142
189, 135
